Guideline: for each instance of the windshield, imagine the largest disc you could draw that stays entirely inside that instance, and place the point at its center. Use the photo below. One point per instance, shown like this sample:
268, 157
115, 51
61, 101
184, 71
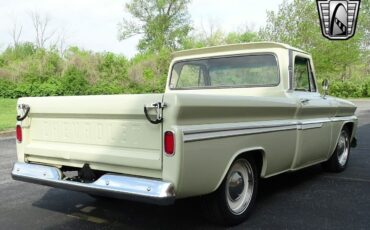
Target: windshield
237, 71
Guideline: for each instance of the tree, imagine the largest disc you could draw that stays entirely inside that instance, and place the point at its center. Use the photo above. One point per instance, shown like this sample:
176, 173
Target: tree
162, 23
16, 33
213, 35
242, 36
364, 23
40, 24
60, 42
297, 23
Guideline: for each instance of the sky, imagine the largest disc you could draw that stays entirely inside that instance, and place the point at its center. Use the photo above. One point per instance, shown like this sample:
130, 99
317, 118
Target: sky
92, 24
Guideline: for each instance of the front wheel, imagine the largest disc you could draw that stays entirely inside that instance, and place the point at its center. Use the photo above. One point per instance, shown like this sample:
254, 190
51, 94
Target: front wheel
233, 201
339, 160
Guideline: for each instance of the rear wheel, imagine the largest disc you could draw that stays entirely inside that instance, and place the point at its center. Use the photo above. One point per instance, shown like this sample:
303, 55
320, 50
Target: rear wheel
233, 201
339, 160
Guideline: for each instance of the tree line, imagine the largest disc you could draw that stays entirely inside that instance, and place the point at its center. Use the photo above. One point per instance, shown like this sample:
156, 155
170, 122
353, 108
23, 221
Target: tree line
31, 69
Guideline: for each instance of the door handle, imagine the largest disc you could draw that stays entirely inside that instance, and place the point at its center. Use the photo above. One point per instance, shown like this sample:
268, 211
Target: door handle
304, 100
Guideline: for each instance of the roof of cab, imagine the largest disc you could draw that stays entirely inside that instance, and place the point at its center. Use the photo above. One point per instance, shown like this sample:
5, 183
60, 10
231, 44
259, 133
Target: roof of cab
234, 47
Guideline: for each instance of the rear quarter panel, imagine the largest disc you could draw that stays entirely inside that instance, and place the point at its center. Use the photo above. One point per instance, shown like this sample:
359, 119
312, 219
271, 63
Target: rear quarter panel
198, 167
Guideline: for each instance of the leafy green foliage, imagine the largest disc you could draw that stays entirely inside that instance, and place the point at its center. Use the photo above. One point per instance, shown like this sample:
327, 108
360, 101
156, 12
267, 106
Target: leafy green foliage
350, 89
148, 72
218, 37
297, 23
7, 89
27, 70
163, 23
74, 81
41, 72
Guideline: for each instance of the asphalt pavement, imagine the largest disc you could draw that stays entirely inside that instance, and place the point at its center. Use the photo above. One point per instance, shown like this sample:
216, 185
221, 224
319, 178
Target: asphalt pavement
307, 199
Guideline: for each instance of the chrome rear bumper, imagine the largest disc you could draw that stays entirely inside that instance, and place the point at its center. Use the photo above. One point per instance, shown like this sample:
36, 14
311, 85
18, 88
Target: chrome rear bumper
112, 185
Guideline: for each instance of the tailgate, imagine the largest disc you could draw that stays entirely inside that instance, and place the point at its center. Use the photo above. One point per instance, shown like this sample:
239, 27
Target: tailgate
110, 133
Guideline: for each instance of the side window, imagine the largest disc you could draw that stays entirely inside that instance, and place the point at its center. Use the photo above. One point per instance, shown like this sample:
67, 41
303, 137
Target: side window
191, 76
303, 79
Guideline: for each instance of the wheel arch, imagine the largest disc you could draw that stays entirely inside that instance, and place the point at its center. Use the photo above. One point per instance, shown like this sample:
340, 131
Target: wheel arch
258, 154
350, 125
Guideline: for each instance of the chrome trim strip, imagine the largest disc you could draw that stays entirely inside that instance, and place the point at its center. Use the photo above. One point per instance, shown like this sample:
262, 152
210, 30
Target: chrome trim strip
312, 123
113, 185
235, 126
290, 69
310, 126
197, 136
207, 132
351, 118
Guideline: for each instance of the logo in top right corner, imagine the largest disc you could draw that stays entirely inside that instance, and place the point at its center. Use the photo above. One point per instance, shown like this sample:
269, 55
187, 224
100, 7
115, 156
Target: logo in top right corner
338, 18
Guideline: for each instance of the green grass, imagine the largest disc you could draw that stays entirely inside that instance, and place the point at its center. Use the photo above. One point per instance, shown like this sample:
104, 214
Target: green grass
8, 113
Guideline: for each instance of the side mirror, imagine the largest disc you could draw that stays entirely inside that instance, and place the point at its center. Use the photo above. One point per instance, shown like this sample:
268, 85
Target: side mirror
325, 87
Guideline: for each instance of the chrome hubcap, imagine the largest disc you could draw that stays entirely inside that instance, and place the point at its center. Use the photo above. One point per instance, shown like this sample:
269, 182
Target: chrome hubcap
239, 186
236, 186
343, 148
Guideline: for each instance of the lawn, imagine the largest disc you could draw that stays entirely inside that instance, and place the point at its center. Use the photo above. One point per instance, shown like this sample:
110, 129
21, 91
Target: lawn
8, 113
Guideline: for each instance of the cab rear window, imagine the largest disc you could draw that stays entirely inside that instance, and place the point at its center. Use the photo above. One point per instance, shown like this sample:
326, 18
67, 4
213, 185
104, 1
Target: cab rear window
237, 71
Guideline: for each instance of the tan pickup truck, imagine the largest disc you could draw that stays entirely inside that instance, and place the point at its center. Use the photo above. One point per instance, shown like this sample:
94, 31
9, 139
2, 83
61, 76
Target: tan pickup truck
230, 115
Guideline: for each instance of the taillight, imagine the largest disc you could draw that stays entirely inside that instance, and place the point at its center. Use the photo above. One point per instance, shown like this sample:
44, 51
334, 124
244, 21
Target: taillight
19, 133
169, 143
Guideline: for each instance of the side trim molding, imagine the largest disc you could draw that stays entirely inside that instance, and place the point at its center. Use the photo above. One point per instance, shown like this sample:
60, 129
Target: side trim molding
197, 136
214, 131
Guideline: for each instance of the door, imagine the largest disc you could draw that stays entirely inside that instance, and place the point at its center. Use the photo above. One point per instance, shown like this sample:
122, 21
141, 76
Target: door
314, 127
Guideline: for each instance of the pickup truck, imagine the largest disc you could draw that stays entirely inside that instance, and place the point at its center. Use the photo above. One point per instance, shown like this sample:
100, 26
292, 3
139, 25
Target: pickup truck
230, 115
